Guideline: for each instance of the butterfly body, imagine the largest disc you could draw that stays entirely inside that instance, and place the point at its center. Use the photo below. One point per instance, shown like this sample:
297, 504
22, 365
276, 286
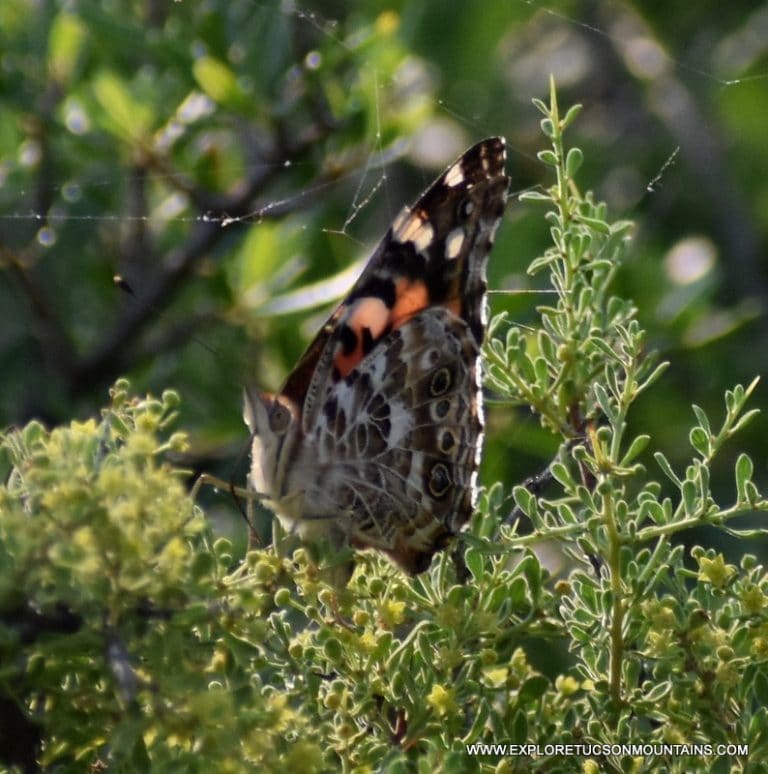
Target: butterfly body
375, 438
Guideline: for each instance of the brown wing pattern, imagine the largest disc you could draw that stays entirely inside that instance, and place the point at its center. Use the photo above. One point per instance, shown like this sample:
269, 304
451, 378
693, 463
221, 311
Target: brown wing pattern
375, 438
393, 455
434, 254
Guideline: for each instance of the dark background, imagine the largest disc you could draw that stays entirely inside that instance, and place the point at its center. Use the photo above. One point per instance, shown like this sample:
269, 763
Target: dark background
224, 157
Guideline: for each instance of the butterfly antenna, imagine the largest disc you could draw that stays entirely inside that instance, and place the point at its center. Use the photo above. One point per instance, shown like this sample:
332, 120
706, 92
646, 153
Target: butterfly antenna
120, 282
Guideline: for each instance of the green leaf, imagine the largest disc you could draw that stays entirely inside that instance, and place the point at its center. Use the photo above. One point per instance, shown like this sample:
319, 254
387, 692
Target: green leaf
580, 634
638, 445
562, 475
573, 161
261, 251
309, 296
586, 498
663, 463
532, 571
540, 263
519, 729
65, 44
604, 402
541, 371
689, 491
745, 534
751, 386
567, 514
700, 441
122, 114
744, 420
605, 348
702, 418
548, 157
534, 196
570, 116
523, 499
744, 470
596, 225
655, 374
482, 712
475, 564
653, 510
621, 227
658, 692
760, 688
547, 347
217, 80
517, 593
203, 565
548, 128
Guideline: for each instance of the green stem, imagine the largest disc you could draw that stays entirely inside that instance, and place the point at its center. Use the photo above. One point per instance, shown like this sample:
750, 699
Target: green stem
697, 520
567, 530
617, 613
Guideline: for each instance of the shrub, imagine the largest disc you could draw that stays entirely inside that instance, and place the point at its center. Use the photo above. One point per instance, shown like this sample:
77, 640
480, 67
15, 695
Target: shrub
131, 638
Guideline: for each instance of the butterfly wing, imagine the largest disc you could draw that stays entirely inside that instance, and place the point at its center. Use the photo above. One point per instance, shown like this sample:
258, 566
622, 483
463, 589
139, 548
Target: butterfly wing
434, 254
391, 461
375, 437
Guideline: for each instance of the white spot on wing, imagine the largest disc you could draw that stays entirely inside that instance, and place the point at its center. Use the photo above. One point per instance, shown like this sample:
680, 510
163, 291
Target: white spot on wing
399, 222
479, 407
454, 176
473, 492
415, 228
423, 237
453, 243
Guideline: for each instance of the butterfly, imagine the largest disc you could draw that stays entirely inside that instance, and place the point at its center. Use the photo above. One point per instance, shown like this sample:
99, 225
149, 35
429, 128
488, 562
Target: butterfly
375, 438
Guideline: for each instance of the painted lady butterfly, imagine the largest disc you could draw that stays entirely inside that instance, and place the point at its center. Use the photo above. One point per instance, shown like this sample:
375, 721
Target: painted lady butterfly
376, 435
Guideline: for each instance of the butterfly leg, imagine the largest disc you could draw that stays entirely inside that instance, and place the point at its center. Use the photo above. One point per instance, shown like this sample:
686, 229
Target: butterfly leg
206, 479
249, 495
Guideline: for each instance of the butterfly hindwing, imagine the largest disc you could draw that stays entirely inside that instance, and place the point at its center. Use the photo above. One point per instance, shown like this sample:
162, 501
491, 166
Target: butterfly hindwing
395, 445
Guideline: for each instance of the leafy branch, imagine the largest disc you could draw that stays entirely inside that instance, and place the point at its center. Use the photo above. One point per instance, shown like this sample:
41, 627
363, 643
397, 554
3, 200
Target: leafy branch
581, 373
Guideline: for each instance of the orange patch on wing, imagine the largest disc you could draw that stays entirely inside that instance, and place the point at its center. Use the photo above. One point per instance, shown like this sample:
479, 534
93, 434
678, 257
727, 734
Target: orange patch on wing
411, 296
369, 312
345, 363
